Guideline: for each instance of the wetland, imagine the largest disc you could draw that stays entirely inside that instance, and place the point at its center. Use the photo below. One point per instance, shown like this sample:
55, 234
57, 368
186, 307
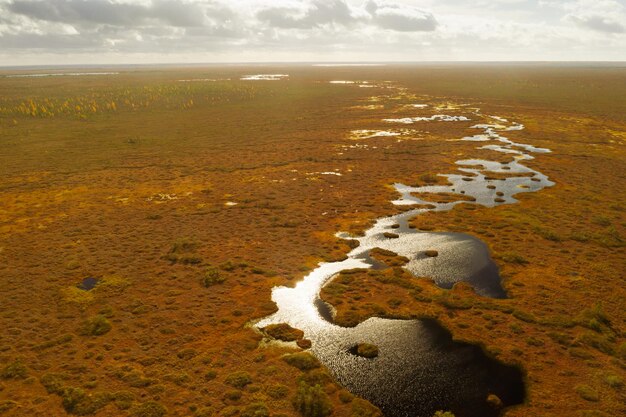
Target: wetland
424, 240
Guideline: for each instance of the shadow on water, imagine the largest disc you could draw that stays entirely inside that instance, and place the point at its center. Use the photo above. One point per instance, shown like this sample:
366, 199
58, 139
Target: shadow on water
420, 370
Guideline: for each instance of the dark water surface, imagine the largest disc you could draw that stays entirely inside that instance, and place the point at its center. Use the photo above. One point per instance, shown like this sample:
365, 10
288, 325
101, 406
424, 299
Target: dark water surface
420, 369
88, 283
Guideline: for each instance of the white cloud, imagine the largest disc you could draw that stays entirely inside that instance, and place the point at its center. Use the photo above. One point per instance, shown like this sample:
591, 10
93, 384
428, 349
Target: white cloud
402, 18
319, 30
600, 15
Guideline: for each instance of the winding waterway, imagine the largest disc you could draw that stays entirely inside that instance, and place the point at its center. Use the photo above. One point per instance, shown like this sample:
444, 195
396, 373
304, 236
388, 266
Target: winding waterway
420, 369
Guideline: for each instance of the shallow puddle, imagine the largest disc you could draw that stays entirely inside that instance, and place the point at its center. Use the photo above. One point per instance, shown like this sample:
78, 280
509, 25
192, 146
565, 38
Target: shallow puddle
264, 77
88, 284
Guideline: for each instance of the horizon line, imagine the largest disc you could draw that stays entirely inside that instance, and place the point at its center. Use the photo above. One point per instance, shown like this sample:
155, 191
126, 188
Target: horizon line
307, 63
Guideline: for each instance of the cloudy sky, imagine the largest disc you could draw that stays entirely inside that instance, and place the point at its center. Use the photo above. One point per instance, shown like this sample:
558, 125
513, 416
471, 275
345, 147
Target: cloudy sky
168, 31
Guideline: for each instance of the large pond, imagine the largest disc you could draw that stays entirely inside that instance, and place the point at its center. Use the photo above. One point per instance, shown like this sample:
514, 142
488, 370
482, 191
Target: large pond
420, 369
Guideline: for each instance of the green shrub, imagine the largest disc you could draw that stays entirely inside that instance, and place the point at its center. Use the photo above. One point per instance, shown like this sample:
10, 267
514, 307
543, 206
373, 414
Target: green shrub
614, 381
53, 383
203, 412
312, 401
96, 326
181, 252
210, 374
362, 408
186, 354
148, 409
257, 409
317, 376
513, 258
367, 350
277, 391
345, 397
238, 379
523, 316
302, 360
587, 393
229, 411
7, 405
14, 370
212, 277
233, 395
284, 332
602, 343
76, 401
123, 399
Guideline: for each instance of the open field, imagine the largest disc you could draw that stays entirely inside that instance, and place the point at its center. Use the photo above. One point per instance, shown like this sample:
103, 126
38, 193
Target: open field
189, 194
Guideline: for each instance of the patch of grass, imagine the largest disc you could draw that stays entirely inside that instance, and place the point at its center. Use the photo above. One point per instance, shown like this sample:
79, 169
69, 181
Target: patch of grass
53, 383
587, 393
621, 351
256, 409
312, 401
212, 277
443, 414
593, 413
148, 409
204, 412
66, 338
614, 381
602, 343
366, 350
123, 399
602, 221
548, 234
277, 391
362, 408
113, 282
284, 332
594, 318
186, 354
302, 360
73, 294
7, 405
14, 370
318, 376
523, 316
233, 395
513, 258
77, 401
238, 379
96, 326
183, 252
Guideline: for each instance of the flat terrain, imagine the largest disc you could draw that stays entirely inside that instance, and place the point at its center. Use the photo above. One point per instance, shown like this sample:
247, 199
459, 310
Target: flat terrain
189, 194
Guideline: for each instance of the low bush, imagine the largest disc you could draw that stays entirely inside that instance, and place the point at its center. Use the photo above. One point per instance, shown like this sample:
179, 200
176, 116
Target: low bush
587, 393
96, 326
312, 401
212, 277
238, 379
367, 350
14, 370
302, 360
284, 332
256, 409
148, 409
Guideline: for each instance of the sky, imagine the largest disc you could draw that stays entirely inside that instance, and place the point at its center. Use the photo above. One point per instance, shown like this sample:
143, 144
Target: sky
51, 32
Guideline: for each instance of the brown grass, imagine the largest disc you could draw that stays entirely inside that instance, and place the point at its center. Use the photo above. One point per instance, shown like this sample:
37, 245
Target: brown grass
114, 193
